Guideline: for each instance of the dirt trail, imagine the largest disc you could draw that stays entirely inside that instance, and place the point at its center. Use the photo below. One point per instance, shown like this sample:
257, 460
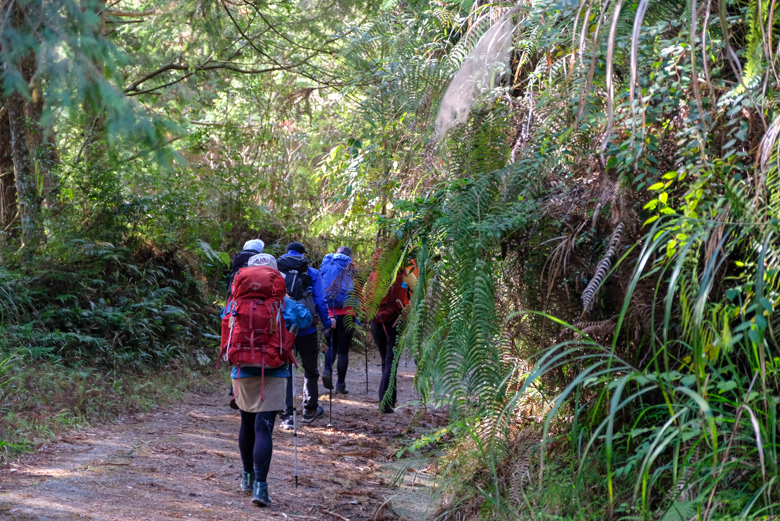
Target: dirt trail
182, 462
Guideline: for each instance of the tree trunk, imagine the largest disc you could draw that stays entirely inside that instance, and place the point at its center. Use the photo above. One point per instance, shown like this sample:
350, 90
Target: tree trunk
7, 182
29, 200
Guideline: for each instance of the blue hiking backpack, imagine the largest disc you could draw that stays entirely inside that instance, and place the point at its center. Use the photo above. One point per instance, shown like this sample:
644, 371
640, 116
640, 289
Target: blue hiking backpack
336, 273
296, 315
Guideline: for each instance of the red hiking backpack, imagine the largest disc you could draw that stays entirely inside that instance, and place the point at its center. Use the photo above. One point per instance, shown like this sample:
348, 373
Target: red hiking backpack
253, 329
394, 302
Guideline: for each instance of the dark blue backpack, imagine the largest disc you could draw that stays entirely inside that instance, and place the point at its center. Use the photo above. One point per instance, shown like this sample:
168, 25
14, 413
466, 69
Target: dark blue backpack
336, 274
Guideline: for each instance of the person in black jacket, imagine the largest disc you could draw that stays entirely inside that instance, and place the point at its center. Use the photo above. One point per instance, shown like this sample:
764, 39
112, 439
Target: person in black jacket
251, 248
306, 344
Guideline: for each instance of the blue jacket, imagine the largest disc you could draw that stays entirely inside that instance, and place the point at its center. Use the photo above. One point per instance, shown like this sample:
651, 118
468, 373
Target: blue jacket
318, 292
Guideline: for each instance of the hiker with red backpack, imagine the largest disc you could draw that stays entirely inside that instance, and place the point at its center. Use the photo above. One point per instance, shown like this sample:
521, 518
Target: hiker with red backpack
384, 329
337, 271
304, 285
251, 248
257, 343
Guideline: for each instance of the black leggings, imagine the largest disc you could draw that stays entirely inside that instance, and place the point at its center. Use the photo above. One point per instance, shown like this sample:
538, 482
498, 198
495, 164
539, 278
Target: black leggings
385, 336
255, 443
307, 347
340, 339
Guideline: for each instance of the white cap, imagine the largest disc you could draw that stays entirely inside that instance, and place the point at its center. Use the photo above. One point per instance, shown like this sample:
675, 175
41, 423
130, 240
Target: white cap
255, 245
262, 259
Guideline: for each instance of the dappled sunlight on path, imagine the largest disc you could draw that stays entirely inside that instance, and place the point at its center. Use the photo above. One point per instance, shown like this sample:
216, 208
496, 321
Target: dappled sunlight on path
182, 462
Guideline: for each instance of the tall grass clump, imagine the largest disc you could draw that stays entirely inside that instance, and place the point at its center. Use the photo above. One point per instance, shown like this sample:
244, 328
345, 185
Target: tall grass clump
679, 424
687, 426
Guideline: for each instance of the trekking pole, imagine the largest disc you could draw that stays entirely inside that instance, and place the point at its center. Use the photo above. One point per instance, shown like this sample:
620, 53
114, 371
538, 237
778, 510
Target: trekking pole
365, 344
295, 431
330, 391
295, 410
295, 427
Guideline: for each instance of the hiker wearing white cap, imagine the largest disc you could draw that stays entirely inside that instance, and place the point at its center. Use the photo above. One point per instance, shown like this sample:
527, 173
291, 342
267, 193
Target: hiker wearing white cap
251, 248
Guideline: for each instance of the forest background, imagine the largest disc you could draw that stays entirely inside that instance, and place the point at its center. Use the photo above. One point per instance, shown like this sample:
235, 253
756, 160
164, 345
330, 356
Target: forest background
589, 189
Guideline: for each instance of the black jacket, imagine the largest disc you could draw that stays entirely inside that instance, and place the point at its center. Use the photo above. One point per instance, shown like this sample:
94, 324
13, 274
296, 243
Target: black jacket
239, 261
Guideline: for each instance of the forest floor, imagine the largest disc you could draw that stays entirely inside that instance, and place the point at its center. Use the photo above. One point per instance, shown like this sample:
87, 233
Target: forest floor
182, 461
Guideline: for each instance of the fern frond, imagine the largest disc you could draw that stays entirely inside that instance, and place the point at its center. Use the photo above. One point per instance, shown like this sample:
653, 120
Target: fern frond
602, 269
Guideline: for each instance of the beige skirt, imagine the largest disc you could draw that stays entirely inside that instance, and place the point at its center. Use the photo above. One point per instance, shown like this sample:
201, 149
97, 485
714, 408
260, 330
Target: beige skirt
248, 392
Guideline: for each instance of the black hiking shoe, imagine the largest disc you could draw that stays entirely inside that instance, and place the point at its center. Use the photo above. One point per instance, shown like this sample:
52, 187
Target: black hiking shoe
342, 389
386, 410
311, 415
286, 423
327, 380
260, 494
247, 481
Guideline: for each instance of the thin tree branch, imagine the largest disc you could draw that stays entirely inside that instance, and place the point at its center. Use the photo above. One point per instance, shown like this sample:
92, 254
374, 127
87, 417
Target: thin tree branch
274, 29
12, 221
251, 43
132, 14
211, 68
165, 68
6, 16
123, 22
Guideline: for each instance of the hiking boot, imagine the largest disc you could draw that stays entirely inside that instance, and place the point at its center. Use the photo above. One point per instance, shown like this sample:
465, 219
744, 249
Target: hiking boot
286, 423
342, 389
260, 494
386, 410
311, 415
247, 481
327, 380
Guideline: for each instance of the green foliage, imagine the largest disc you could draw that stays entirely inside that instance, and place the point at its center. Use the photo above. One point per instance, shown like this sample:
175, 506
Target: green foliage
57, 50
674, 346
98, 304
701, 418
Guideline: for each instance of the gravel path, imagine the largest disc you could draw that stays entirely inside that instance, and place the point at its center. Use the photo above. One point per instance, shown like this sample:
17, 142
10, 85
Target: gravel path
182, 462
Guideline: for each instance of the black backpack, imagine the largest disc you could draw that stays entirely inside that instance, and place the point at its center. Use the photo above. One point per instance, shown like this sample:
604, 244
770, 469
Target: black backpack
295, 269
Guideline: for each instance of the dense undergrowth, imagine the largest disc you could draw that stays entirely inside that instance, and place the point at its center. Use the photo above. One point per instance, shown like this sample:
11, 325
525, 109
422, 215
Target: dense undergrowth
597, 247
94, 331
108, 306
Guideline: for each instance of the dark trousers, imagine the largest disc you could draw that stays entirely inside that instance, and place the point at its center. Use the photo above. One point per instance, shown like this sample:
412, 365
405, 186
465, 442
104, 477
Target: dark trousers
341, 338
385, 336
255, 443
306, 346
